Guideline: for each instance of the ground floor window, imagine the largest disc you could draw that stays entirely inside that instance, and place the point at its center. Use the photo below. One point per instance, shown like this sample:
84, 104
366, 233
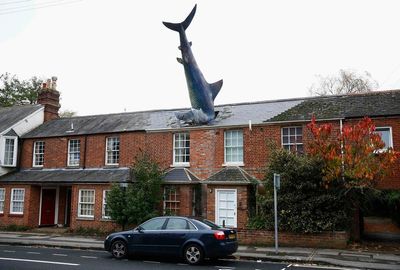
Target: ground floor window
171, 200
2, 198
17, 200
86, 203
106, 210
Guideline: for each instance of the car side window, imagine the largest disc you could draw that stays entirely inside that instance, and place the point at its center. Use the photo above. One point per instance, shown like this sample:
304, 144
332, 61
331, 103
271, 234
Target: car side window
154, 224
177, 224
192, 227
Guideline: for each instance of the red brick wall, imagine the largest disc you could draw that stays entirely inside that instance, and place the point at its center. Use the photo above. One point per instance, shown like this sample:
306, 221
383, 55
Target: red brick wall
317, 240
380, 225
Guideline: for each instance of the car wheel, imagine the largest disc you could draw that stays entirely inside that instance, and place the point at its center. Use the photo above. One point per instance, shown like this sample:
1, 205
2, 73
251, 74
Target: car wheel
193, 254
119, 250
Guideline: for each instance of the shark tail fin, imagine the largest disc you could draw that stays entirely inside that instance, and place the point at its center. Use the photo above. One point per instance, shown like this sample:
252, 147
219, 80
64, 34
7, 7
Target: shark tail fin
215, 87
183, 25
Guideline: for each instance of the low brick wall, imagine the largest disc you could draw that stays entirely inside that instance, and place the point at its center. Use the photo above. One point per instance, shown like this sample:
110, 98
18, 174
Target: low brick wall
315, 240
380, 225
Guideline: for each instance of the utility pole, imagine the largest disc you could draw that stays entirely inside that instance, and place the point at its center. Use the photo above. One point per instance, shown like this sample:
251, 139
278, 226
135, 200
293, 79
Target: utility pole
277, 185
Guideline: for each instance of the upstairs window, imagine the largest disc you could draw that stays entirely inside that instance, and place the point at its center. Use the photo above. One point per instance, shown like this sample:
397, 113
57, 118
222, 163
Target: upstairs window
38, 154
17, 201
74, 152
2, 199
181, 149
10, 151
386, 135
292, 139
112, 151
234, 147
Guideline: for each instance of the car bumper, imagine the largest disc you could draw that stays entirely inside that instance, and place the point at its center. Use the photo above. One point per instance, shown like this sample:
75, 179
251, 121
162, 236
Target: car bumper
222, 249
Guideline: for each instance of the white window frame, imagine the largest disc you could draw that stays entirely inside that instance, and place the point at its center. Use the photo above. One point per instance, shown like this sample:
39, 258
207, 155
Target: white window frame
176, 138
15, 149
390, 137
233, 163
295, 144
2, 199
167, 201
108, 151
70, 152
80, 203
12, 201
34, 154
103, 211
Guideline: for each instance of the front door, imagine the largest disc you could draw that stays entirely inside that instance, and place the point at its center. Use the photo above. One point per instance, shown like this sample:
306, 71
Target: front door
48, 207
225, 207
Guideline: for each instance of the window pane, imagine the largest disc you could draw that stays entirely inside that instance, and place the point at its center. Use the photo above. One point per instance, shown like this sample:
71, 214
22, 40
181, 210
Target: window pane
154, 224
181, 148
176, 224
385, 135
233, 146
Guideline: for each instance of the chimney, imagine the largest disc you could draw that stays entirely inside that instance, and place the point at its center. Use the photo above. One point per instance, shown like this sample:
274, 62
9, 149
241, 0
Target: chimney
50, 98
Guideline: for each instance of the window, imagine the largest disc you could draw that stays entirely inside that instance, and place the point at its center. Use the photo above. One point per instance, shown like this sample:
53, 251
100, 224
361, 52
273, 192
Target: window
74, 152
292, 139
112, 151
171, 200
86, 203
181, 148
17, 200
10, 151
153, 224
234, 147
386, 135
177, 224
106, 210
38, 154
2, 198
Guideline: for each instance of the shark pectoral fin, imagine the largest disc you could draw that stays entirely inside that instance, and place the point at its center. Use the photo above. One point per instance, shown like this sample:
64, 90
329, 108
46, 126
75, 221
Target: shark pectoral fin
179, 60
215, 87
180, 48
190, 43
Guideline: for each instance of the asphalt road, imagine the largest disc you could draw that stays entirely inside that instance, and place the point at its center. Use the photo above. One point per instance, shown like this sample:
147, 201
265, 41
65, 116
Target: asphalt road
32, 258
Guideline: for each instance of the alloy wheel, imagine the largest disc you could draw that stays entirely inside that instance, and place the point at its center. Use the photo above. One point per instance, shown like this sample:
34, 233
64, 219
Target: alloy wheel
119, 249
193, 254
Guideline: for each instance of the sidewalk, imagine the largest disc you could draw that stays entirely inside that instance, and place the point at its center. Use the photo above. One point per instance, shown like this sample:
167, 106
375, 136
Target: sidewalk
341, 258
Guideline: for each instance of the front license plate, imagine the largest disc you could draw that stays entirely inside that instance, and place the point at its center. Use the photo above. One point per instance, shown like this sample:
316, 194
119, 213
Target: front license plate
232, 236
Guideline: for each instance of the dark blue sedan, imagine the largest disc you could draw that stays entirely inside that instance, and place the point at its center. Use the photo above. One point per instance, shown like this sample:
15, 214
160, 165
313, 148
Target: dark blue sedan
192, 239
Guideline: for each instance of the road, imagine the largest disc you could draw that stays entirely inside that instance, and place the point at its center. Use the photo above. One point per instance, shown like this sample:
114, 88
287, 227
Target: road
41, 258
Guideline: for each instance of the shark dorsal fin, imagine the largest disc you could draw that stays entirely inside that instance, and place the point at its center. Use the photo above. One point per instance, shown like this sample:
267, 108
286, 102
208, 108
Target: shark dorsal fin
215, 87
179, 60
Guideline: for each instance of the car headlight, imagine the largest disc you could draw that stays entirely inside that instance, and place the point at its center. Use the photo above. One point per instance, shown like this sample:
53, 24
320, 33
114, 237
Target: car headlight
107, 237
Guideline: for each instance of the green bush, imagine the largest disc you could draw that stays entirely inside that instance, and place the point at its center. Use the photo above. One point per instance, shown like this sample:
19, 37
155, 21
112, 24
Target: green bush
383, 203
15, 228
304, 204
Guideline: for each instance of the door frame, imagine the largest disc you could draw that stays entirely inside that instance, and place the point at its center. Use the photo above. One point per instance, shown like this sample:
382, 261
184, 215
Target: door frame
217, 204
55, 204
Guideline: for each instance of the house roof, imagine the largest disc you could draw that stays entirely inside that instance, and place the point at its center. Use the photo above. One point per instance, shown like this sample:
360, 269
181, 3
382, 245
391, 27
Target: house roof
68, 176
229, 115
232, 175
180, 176
9, 116
372, 104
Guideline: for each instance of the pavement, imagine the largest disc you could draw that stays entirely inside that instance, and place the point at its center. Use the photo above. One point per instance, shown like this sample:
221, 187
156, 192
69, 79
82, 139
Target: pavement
348, 259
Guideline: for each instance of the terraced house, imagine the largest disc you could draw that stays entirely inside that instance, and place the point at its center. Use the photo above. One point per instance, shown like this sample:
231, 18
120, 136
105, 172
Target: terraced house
66, 165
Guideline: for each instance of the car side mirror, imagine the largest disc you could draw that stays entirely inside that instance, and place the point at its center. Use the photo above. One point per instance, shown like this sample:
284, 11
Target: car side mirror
140, 229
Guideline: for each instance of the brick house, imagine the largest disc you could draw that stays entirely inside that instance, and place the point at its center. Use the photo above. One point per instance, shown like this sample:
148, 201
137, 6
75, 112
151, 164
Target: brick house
68, 164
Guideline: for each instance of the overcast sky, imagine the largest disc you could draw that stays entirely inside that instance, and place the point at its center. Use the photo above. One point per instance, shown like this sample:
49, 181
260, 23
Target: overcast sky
115, 56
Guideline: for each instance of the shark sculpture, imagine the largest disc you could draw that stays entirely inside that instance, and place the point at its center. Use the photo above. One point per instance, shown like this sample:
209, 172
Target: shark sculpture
202, 94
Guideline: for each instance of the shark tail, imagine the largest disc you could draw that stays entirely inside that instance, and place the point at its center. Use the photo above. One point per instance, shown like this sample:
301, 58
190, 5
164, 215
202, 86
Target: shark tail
183, 25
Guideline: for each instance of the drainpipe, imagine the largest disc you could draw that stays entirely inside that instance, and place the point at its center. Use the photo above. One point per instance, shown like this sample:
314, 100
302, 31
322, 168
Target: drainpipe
84, 154
342, 147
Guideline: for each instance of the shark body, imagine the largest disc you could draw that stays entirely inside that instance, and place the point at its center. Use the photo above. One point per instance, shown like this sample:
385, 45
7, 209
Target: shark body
201, 93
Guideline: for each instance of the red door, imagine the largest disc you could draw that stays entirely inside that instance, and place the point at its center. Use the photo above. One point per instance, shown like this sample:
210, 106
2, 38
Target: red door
48, 206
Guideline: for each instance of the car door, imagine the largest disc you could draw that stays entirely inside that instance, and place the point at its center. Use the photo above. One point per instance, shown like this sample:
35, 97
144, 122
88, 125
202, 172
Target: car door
174, 235
145, 238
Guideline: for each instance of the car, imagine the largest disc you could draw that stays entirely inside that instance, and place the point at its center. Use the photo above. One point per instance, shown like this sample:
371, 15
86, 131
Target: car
193, 239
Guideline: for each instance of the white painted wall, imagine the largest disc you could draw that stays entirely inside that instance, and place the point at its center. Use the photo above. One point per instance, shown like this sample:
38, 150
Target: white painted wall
27, 124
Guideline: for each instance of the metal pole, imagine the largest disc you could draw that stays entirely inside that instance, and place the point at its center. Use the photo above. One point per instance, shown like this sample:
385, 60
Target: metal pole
276, 218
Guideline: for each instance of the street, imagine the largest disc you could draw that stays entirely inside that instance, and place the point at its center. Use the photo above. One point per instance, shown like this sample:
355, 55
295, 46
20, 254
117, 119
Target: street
40, 258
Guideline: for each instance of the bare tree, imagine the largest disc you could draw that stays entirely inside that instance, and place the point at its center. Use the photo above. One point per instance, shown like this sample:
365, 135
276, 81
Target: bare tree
67, 114
347, 82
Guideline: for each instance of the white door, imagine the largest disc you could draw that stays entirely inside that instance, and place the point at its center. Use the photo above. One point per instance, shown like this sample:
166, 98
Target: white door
225, 207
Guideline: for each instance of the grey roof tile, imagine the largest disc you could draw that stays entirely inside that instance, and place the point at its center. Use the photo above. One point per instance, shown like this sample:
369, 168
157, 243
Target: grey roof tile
180, 176
372, 104
9, 116
231, 175
68, 176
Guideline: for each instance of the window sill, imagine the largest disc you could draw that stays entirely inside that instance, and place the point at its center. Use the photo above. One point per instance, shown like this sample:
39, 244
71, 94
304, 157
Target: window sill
73, 167
8, 166
180, 165
111, 166
85, 218
15, 215
106, 219
233, 164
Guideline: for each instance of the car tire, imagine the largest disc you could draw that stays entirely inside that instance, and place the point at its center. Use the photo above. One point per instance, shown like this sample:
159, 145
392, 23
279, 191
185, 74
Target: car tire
119, 249
193, 254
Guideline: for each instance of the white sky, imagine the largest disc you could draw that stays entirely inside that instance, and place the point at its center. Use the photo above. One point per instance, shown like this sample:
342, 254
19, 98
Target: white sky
111, 56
